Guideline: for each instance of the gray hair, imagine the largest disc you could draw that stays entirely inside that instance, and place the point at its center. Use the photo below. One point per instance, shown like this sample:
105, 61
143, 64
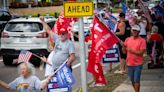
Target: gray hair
30, 68
154, 29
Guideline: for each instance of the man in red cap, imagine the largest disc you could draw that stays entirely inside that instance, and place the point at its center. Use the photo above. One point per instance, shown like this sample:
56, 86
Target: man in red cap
64, 48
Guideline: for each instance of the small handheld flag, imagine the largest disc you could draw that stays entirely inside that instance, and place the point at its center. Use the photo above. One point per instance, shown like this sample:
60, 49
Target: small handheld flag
24, 56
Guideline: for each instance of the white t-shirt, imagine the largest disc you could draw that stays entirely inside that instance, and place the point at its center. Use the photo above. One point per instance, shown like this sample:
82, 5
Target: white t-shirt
143, 28
48, 69
30, 84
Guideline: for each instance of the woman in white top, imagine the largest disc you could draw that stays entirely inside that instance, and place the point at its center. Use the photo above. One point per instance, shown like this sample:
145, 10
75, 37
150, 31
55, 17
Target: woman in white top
143, 24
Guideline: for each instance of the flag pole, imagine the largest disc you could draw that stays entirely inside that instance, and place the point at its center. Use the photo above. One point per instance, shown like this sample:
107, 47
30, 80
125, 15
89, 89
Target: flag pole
60, 67
40, 58
107, 27
36, 55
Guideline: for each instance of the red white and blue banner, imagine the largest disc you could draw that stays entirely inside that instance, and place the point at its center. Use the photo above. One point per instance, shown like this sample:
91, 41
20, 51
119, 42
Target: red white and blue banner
112, 23
145, 10
159, 11
62, 80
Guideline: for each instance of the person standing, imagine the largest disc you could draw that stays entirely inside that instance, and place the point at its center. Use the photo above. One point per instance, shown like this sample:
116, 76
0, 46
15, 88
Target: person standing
135, 47
120, 33
143, 24
64, 48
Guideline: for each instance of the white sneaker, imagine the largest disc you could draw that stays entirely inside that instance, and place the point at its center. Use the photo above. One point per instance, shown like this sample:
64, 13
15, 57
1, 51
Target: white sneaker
96, 85
99, 85
118, 72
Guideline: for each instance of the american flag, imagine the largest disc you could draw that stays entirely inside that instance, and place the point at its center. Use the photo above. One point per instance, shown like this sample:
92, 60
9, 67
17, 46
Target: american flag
112, 23
24, 56
130, 16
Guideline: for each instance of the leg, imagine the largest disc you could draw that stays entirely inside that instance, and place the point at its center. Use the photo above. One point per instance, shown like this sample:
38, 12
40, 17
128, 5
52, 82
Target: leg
137, 87
131, 74
124, 68
137, 76
110, 67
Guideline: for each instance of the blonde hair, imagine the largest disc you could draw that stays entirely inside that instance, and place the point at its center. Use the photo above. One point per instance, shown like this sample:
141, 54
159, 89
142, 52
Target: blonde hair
30, 68
154, 29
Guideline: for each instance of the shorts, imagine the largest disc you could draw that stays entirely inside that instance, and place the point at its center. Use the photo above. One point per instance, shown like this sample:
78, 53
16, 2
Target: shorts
123, 55
134, 73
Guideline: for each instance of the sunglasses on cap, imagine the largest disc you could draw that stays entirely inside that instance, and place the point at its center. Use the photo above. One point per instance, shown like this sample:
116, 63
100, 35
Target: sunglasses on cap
135, 30
62, 33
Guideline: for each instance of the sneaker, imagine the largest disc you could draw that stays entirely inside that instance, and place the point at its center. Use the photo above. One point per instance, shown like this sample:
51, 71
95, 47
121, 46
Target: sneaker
96, 85
99, 85
124, 72
92, 85
118, 72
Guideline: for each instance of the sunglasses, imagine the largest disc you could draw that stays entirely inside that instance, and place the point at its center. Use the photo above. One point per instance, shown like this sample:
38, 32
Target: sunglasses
62, 33
135, 30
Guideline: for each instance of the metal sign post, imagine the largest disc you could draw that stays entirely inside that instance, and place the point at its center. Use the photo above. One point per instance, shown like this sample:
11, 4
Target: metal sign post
4, 4
80, 9
82, 55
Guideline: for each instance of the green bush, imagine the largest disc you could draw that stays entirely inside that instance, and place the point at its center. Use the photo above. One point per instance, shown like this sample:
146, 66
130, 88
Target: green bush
33, 4
55, 14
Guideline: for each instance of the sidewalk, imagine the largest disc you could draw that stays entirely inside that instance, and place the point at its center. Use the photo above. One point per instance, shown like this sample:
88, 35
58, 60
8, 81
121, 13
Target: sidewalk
152, 80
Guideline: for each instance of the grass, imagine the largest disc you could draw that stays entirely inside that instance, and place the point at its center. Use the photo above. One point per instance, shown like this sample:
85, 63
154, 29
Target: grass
113, 81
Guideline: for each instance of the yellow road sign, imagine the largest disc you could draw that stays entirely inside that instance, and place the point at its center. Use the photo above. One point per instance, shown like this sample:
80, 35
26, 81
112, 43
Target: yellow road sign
78, 9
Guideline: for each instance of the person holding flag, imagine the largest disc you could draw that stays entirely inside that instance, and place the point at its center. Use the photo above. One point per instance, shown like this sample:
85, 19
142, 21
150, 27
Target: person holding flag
27, 81
121, 34
64, 48
135, 47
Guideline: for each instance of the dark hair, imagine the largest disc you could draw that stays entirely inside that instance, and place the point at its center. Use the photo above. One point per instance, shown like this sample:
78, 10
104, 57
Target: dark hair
122, 14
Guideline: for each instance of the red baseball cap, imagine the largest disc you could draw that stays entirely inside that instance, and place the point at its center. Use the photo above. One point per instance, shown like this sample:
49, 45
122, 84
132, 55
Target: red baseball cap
63, 30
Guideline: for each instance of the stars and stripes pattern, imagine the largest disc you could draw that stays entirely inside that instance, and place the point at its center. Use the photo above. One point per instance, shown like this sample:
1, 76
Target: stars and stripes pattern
112, 23
24, 56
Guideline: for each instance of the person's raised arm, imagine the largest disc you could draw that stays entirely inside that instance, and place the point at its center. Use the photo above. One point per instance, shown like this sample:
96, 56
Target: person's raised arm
46, 26
4, 84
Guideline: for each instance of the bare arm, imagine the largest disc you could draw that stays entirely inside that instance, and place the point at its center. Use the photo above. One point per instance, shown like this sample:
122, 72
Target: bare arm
4, 84
45, 82
46, 26
71, 59
44, 59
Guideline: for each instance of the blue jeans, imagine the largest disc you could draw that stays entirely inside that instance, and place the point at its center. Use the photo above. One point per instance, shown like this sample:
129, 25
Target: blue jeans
134, 73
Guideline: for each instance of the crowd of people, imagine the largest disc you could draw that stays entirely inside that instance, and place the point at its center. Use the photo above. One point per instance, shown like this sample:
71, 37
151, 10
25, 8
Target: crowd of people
134, 41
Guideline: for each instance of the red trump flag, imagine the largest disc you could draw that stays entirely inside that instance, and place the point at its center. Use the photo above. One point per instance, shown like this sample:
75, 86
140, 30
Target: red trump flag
102, 39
